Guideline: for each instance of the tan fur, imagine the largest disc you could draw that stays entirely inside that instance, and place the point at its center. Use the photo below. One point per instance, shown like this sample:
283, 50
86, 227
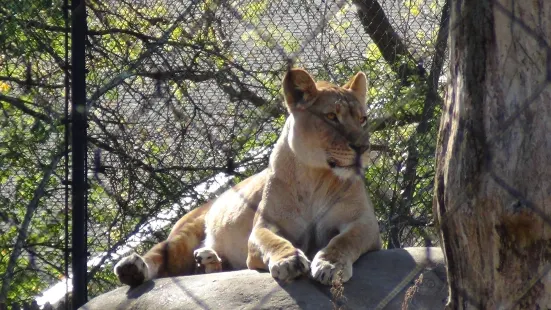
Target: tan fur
309, 204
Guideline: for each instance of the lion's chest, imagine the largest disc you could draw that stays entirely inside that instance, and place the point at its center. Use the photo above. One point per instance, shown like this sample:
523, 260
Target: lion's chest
314, 219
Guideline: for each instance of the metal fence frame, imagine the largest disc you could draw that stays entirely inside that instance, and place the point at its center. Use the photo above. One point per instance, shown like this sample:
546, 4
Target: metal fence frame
79, 124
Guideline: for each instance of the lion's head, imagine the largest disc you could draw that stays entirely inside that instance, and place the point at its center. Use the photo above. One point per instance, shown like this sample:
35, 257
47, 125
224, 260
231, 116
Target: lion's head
328, 123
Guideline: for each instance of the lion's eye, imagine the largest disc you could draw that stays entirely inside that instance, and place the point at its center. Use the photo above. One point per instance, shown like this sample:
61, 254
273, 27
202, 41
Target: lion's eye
331, 116
363, 121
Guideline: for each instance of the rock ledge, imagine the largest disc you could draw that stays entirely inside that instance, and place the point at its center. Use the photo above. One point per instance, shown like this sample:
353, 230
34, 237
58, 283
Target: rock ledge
381, 280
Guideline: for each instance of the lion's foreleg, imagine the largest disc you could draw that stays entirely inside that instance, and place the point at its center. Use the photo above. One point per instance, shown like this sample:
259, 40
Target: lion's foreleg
269, 251
334, 262
267, 248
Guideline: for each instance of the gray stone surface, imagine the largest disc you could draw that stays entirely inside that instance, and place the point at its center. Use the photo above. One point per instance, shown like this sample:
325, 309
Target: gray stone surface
381, 280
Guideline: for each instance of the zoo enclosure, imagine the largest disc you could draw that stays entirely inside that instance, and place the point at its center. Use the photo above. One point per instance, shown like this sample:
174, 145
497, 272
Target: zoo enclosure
182, 100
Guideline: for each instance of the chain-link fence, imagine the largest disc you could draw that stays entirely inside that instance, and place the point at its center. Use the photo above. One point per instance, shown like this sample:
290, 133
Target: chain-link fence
183, 101
34, 192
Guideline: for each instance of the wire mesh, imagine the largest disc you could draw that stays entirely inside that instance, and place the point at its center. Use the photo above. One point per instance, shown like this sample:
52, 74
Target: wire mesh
183, 102
34, 229
186, 102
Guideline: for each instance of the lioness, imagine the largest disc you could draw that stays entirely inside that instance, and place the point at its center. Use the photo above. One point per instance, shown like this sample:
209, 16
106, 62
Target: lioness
310, 203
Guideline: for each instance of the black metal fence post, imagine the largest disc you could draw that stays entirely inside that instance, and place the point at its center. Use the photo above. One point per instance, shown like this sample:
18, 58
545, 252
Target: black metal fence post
78, 142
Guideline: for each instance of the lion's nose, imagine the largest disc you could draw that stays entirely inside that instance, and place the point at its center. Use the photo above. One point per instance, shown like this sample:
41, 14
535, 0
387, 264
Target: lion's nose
359, 148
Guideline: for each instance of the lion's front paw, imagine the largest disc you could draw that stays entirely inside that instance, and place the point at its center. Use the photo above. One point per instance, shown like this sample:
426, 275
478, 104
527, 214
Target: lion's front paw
208, 259
325, 271
132, 270
289, 267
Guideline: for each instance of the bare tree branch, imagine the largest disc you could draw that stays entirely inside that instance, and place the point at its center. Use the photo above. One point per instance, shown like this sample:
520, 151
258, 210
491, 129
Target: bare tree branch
28, 83
9, 17
386, 122
22, 106
23, 229
144, 55
393, 49
431, 101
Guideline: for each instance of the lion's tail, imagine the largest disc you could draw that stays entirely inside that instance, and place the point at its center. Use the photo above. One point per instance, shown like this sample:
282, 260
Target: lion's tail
174, 256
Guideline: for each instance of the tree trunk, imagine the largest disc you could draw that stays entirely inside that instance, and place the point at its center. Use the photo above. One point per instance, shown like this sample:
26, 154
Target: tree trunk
493, 180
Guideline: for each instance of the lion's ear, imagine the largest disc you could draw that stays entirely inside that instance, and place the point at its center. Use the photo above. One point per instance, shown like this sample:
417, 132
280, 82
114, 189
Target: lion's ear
299, 89
358, 85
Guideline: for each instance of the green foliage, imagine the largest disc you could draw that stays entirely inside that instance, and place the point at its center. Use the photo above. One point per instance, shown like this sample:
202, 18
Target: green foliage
413, 7
24, 157
29, 142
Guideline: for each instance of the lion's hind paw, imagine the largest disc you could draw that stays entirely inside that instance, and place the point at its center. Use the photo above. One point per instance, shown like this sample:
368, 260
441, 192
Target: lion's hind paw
207, 259
132, 270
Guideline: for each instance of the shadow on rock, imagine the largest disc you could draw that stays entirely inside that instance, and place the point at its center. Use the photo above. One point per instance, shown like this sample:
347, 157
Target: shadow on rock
136, 292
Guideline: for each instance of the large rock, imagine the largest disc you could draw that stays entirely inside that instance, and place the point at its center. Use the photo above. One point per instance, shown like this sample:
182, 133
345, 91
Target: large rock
381, 280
